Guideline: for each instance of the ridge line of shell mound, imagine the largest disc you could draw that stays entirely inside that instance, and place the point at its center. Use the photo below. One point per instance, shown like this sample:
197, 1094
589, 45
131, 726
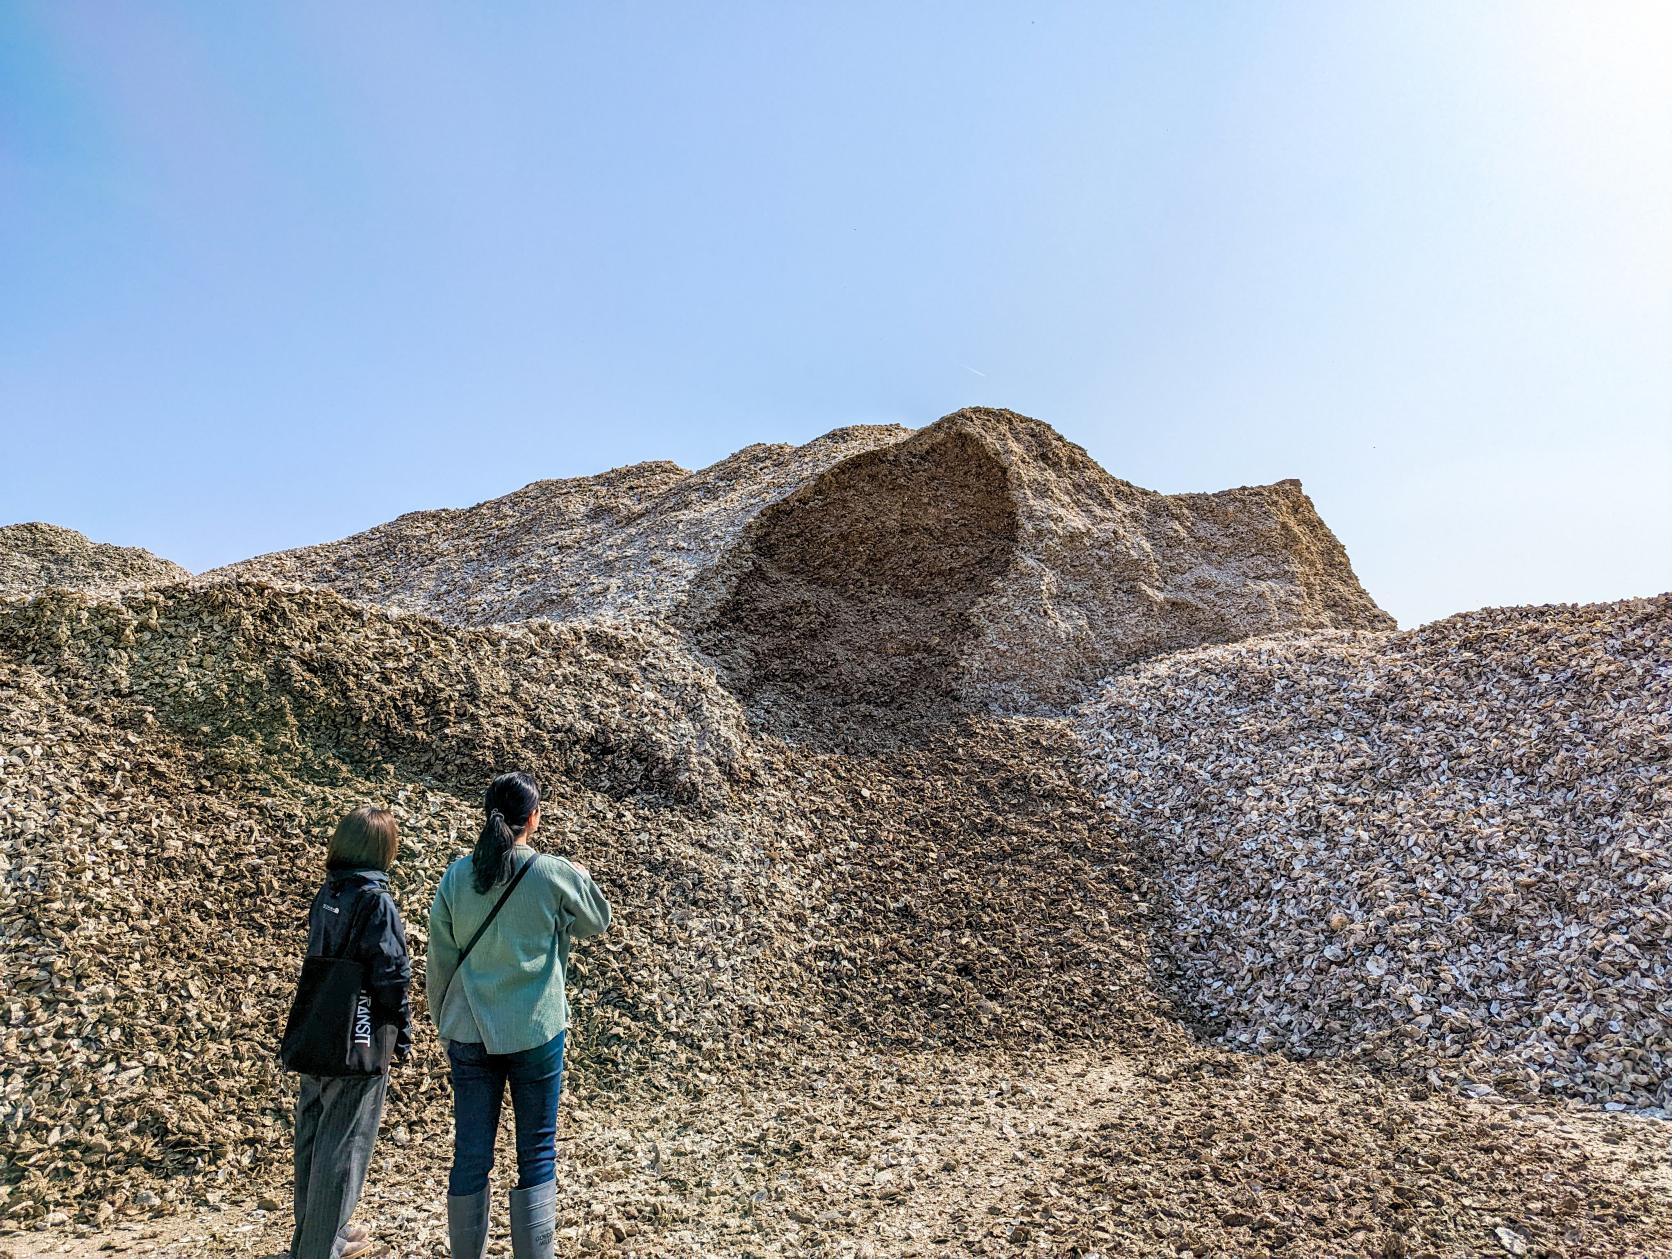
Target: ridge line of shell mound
625, 543
272, 672
1448, 850
36, 556
980, 562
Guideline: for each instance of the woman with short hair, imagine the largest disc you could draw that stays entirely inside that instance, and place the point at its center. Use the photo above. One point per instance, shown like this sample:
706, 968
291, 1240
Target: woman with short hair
500, 930
353, 916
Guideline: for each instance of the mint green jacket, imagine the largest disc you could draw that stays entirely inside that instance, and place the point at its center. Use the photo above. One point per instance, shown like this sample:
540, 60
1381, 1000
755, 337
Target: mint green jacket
509, 994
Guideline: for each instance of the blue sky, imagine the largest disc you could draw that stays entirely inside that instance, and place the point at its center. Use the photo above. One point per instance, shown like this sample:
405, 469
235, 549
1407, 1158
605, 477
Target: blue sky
272, 274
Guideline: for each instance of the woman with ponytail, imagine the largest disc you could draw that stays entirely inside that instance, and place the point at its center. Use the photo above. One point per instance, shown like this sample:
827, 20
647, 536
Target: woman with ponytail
500, 930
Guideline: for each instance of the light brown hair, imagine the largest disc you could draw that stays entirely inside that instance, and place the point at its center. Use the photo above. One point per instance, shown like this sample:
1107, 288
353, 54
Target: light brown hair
366, 839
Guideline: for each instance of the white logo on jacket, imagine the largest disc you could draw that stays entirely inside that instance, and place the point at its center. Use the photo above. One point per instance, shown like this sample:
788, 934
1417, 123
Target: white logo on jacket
363, 1020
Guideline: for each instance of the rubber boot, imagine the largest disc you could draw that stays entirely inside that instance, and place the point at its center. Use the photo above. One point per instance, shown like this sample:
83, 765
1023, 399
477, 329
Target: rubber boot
467, 1224
533, 1221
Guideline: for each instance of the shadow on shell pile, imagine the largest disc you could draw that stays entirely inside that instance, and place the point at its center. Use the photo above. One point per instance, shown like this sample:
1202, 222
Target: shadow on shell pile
174, 757
171, 762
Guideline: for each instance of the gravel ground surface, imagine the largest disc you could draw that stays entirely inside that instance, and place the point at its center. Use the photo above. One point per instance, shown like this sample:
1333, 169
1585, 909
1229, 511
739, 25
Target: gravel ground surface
1086, 1153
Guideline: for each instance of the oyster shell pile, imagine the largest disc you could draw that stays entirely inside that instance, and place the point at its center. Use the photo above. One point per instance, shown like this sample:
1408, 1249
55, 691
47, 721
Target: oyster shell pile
890, 973
1448, 849
38, 556
175, 758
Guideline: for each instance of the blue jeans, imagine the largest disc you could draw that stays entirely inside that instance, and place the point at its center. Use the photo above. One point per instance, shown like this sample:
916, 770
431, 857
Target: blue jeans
479, 1080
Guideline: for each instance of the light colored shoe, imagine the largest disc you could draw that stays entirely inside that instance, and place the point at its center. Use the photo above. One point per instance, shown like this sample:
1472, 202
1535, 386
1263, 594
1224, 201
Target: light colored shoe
467, 1225
356, 1241
533, 1221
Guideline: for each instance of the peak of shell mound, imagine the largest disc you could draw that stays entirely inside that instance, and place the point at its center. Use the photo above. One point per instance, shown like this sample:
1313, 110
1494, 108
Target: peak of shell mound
986, 561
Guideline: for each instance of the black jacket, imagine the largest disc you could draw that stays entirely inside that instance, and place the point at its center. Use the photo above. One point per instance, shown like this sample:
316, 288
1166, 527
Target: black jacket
360, 898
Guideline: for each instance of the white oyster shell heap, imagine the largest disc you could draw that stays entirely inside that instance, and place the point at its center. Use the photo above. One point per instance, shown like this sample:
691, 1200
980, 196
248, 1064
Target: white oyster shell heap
1446, 848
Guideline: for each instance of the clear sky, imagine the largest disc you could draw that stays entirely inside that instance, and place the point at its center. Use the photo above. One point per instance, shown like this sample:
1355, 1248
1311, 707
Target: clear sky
270, 274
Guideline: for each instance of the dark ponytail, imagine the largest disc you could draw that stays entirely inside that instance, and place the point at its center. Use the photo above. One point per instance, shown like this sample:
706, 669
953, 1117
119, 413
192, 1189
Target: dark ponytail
511, 801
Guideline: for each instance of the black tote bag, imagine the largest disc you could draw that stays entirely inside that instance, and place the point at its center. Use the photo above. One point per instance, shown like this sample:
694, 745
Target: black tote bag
331, 1030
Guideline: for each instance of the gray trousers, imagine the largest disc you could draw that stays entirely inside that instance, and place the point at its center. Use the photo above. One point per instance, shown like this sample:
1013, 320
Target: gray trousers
336, 1126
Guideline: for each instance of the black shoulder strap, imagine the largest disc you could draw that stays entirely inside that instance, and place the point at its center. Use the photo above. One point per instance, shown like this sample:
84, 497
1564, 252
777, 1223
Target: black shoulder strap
497, 906
351, 935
